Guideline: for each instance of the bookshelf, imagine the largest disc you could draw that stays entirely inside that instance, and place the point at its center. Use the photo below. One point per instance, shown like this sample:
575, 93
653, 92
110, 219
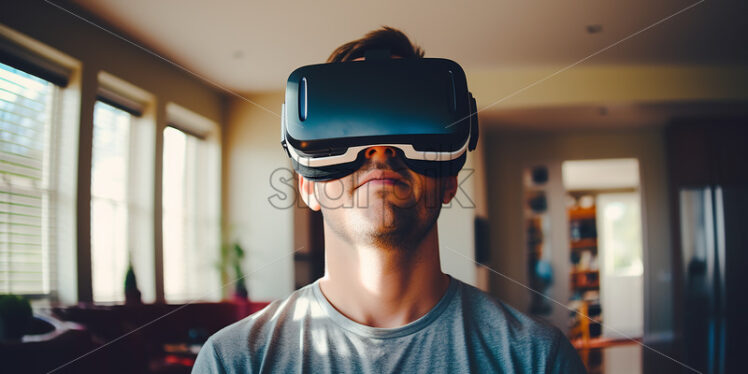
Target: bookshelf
584, 280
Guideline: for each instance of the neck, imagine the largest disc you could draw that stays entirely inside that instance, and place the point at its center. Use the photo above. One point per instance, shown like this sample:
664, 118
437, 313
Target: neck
383, 287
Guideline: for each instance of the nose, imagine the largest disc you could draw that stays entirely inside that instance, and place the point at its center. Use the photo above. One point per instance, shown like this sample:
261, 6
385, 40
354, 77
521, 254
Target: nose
380, 153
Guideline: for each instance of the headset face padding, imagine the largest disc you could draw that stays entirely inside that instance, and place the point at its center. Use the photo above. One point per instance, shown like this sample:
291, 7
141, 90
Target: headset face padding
434, 169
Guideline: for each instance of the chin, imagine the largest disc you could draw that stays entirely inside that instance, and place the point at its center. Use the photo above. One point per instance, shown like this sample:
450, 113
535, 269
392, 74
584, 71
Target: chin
393, 240
389, 230
386, 217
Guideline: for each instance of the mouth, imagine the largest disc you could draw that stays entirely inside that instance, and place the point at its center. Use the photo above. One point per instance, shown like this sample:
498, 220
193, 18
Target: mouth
387, 181
382, 178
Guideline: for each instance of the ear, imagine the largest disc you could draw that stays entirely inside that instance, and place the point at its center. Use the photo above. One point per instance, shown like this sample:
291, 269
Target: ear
449, 189
306, 190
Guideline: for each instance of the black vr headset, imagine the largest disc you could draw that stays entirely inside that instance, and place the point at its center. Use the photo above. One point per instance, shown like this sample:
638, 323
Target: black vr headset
421, 107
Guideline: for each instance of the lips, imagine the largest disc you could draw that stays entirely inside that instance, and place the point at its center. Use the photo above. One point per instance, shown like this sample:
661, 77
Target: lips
381, 176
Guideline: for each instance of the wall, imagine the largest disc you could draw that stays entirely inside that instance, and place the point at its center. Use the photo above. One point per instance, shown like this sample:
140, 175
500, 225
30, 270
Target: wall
588, 83
98, 50
264, 227
456, 226
509, 151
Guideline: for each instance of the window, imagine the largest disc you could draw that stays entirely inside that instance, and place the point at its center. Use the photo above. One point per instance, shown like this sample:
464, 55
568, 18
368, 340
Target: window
109, 208
621, 233
121, 217
39, 169
27, 188
191, 223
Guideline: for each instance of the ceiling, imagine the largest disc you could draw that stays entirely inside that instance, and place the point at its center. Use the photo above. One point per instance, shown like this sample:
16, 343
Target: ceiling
253, 46
609, 116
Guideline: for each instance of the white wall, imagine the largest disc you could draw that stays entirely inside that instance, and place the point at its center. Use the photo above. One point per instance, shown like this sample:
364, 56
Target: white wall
456, 227
252, 152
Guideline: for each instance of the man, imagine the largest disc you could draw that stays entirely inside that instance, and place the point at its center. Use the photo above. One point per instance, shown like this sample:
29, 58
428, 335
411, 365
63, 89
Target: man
384, 305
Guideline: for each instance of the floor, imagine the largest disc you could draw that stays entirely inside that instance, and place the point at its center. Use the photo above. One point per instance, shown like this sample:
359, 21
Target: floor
622, 359
618, 358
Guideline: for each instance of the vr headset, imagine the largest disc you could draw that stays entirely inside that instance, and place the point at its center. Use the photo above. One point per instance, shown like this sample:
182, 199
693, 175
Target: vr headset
420, 107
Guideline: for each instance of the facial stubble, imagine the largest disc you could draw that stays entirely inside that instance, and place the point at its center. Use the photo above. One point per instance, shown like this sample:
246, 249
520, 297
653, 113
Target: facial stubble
384, 217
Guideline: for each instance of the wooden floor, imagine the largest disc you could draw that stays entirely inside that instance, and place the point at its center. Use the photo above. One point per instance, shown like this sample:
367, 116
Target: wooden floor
611, 356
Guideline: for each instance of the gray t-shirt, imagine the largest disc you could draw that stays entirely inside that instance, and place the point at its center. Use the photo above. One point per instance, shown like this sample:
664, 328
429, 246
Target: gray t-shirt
466, 331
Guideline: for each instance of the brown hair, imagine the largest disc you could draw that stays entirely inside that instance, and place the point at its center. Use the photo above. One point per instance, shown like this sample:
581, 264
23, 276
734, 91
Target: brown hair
386, 37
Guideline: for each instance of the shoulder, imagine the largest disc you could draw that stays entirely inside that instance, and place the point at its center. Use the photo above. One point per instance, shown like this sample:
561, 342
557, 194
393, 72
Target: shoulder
494, 313
241, 346
527, 337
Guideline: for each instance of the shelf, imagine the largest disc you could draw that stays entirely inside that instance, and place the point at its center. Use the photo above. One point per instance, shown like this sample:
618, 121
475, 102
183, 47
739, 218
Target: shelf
576, 214
587, 271
587, 287
597, 343
584, 243
536, 188
585, 279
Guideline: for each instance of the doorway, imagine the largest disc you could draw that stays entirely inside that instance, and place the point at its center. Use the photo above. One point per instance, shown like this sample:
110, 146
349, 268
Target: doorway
604, 215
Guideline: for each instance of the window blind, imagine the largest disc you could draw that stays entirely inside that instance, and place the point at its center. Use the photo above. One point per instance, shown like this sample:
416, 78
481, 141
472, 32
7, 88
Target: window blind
122, 102
28, 61
26, 107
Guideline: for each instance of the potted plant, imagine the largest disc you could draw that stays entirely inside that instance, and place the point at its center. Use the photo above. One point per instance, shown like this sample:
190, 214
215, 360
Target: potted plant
15, 317
232, 256
132, 293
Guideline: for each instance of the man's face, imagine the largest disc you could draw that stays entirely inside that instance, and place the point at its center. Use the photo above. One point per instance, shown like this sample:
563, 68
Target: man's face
384, 202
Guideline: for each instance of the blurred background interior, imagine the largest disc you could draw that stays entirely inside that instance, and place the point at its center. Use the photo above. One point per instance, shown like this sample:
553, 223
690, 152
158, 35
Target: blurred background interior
144, 193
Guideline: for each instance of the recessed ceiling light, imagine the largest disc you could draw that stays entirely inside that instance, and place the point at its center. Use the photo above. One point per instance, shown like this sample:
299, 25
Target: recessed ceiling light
594, 29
